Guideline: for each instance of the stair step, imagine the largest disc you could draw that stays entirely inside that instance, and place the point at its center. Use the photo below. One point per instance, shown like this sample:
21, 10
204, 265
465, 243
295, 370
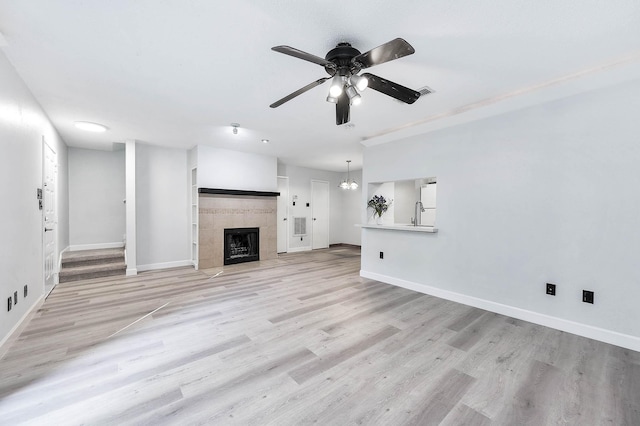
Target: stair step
92, 255
85, 272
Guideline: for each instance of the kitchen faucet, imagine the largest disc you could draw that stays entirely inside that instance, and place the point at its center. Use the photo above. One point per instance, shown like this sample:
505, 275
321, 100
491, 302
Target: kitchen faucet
419, 209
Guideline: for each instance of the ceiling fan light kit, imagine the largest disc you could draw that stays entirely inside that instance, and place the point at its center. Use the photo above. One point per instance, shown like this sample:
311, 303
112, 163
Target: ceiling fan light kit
343, 63
359, 82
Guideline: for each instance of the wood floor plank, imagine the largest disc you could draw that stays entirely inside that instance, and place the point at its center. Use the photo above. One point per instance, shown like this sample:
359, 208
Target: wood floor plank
301, 339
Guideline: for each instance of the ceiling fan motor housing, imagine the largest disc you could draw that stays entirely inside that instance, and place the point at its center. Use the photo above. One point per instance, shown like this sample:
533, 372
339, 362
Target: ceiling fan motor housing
341, 55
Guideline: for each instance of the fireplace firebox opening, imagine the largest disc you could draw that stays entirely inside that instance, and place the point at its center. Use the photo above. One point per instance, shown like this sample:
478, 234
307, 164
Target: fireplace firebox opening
241, 245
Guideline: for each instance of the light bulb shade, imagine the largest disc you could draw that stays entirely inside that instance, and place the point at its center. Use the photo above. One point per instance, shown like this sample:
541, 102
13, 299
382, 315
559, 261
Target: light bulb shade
344, 185
354, 96
360, 82
337, 86
332, 99
353, 185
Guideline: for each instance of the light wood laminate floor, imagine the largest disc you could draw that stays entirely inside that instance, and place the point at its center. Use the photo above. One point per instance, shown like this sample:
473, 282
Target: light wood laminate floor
299, 340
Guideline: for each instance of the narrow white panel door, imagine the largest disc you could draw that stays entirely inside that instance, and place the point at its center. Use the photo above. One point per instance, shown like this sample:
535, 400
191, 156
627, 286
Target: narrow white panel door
49, 219
320, 214
283, 214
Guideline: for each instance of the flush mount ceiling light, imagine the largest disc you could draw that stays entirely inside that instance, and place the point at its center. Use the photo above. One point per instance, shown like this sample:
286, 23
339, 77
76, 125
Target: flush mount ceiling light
90, 127
343, 64
235, 128
265, 140
348, 183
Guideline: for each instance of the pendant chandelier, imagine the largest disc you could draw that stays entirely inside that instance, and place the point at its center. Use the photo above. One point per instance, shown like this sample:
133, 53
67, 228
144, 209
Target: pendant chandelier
348, 183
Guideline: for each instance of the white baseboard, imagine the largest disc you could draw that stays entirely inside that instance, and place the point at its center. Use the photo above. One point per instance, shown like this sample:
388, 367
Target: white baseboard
13, 333
165, 265
78, 247
131, 271
596, 333
296, 249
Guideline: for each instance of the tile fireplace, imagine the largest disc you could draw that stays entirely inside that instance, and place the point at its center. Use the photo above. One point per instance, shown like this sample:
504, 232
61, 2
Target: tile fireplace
222, 210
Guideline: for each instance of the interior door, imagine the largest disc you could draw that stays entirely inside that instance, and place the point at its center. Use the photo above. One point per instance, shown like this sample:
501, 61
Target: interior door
49, 219
320, 214
283, 214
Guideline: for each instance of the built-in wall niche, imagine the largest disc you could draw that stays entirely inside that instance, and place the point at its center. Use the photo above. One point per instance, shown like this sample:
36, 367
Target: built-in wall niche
405, 195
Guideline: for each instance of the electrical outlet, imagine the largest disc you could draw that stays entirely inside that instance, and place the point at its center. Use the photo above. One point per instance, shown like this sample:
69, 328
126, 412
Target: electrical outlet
26, 290
15, 297
587, 296
381, 255
9, 304
551, 289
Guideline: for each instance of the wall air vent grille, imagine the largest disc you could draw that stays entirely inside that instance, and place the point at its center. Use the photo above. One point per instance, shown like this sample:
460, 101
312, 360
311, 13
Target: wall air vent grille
299, 226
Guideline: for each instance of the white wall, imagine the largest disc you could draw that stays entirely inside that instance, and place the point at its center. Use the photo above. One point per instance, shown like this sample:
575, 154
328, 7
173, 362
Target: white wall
162, 207
96, 194
344, 206
22, 127
226, 169
545, 194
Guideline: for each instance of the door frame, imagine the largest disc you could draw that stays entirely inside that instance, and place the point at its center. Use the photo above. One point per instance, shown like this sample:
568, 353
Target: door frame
313, 215
54, 266
279, 214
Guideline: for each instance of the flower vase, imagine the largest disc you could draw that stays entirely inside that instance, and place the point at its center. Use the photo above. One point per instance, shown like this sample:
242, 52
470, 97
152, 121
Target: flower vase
379, 220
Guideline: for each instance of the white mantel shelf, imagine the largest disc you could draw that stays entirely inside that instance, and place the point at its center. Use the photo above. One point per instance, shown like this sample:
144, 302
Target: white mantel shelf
400, 227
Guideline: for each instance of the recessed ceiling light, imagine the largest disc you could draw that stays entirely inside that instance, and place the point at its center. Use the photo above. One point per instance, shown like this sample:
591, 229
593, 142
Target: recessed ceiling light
265, 140
90, 127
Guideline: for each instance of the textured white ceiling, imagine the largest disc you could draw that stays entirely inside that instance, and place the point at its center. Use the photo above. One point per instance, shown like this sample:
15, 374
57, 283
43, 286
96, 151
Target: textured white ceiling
178, 72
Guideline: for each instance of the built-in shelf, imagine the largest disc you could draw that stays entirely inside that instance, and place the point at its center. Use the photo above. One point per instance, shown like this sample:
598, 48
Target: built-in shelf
402, 227
194, 217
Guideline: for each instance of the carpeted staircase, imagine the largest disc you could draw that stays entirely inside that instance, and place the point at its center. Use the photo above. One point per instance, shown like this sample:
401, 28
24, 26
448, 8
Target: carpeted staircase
87, 264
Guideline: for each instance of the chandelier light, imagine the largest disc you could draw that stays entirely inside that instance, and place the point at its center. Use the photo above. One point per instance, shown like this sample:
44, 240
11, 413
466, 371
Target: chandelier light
348, 183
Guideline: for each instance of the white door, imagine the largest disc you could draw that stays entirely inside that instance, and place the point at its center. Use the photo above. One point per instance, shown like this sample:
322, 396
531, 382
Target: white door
283, 214
50, 218
320, 214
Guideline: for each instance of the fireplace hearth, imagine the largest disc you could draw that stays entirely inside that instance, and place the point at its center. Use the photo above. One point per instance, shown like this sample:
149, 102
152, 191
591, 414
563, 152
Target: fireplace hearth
241, 245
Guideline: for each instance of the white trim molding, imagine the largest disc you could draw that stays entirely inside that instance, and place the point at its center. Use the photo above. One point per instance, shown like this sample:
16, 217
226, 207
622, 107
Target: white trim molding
78, 247
596, 333
14, 333
164, 265
297, 249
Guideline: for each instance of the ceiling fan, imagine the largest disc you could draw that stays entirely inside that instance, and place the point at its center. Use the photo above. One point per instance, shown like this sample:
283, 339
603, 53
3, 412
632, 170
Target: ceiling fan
343, 63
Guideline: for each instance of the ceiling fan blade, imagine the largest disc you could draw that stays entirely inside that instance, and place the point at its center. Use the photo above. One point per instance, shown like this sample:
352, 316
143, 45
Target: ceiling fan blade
297, 53
342, 109
389, 51
299, 92
392, 89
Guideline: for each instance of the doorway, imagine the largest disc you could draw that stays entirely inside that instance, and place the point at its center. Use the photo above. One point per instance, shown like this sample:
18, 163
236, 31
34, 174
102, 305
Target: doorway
49, 216
320, 214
